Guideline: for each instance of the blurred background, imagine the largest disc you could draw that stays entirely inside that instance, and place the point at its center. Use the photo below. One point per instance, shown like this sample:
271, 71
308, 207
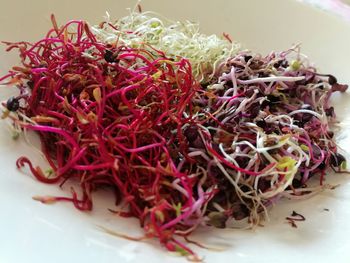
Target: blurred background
339, 7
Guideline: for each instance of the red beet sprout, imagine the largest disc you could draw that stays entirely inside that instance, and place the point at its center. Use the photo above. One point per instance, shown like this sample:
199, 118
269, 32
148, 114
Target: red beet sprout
111, 122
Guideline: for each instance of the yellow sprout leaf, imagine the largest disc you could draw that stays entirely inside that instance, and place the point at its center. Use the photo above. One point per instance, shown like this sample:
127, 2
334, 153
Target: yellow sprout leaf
157, 75
160, 215
92, 116
82, 118
43, 119
304, 147
177, 209
97, 94
296, 64
286, 162
285, 138
45, 199
5, 114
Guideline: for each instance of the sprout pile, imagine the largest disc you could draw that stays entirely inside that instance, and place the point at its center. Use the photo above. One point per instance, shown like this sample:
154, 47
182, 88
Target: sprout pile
184, 128
177, 39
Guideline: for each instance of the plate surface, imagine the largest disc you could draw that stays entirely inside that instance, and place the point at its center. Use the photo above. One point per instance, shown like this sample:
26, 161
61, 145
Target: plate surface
33, 232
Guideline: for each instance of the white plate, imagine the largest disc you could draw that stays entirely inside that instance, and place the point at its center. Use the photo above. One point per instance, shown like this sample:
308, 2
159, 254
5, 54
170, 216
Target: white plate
33, 232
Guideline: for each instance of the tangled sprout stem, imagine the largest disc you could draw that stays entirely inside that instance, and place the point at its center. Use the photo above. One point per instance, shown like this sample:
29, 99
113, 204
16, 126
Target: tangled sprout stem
177, 40
177, 154
268, 122
111, 116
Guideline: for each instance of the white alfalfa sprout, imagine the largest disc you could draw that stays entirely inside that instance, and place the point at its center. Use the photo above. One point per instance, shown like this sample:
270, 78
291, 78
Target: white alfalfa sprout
176, 39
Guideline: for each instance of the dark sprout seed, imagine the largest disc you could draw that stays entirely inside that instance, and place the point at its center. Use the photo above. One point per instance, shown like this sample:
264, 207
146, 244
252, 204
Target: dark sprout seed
263, 74
272, 98
337, 159
285, 63
12, 104
277, 64
332, 80
109, 56
330, 112
30, 84
247, 58
322, 166
191, 133
205, 85
265, 103
296, 183
330, 134
261, 123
